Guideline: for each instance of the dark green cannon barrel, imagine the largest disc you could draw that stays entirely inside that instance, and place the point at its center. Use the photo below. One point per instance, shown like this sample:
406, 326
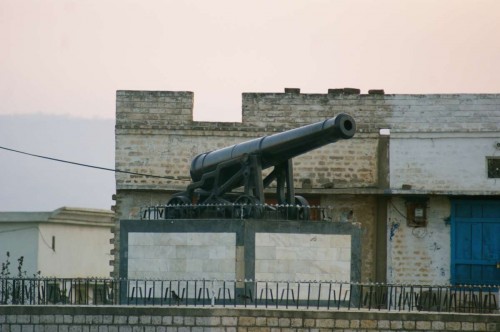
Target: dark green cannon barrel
278, 148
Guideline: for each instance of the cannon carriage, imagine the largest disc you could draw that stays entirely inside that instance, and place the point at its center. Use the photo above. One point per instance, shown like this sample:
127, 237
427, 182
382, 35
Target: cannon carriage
231, 178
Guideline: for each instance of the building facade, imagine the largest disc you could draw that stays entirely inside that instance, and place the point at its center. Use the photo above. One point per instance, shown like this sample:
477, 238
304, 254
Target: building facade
65, 243
420, 177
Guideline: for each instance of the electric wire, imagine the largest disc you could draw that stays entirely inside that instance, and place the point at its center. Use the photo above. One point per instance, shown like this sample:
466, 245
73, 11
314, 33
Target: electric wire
91, 166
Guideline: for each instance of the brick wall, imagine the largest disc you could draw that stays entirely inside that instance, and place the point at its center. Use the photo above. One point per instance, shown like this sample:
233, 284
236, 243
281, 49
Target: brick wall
401, 113
156, 319
155, 134
419, 255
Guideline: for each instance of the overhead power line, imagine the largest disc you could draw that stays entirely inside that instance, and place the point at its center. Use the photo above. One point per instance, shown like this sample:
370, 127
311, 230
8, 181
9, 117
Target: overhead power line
90, 166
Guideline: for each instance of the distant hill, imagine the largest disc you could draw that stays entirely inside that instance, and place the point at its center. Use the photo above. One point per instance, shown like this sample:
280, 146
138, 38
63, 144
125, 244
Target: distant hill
33, 184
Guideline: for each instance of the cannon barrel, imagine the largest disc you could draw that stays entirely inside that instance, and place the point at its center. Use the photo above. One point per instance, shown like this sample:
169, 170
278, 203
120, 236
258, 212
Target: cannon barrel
278, 148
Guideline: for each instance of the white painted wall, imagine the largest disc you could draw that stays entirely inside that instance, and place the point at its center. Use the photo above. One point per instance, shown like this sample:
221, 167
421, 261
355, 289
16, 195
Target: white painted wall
442, 163
20, 239
454, 163
80, 251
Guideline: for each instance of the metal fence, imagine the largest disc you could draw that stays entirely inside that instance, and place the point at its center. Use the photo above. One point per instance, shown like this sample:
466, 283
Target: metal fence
238, 211
324, 295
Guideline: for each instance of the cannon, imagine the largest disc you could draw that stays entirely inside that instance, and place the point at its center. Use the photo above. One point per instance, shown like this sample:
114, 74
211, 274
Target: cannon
232, 176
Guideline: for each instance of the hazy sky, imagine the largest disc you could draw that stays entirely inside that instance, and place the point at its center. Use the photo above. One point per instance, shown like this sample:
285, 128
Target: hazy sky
69, 57
64, 60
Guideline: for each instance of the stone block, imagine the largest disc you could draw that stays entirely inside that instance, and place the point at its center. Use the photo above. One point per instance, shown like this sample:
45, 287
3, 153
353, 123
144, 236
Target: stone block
178, 320
284, 322
119, 319
125, 328
38, 328
65, 328
396, 325
296, 322
352, 91
493, 326
342, 323
260, 321
437, 325
229, 321
309, 322
453, 326
325, 323
260, 329
368, 323
79, 319
207, 321
335, 91
272, 321
246, 321
156, 320
27, 328
51, 328
423, 325
355, 323
467, 326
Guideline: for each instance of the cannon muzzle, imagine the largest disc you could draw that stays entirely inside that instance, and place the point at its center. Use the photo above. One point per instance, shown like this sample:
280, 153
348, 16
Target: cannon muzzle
278, 148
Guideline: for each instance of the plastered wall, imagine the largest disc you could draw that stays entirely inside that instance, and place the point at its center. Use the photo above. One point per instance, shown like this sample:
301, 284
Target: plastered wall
444, 162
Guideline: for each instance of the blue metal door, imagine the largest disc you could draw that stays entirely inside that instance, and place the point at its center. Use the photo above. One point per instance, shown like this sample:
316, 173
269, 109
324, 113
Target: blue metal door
475, 242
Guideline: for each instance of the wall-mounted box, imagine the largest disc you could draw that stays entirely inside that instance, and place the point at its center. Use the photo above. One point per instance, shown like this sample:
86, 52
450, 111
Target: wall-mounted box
416, 212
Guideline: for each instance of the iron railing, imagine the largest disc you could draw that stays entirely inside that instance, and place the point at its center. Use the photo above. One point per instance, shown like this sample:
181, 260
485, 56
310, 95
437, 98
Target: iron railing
238, 211
324, 295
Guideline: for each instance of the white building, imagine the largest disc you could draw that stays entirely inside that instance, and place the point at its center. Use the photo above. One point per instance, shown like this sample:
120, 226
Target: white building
65, 243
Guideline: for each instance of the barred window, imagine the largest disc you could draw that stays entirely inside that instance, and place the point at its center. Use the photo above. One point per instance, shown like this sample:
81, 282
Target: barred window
493, 167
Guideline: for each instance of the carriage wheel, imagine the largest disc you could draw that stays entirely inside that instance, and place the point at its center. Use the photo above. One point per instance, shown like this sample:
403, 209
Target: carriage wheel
247, 206
178, 207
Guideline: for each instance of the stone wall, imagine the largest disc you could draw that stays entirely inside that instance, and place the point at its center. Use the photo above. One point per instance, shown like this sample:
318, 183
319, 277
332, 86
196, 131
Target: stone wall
173, 256
166, 319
